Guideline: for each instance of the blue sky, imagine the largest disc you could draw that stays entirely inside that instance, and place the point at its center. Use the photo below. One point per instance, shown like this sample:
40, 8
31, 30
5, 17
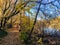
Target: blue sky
52, 11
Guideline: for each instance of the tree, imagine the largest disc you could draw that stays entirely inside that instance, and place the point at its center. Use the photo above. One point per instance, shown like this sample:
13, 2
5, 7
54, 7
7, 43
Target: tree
10, 8
43, 10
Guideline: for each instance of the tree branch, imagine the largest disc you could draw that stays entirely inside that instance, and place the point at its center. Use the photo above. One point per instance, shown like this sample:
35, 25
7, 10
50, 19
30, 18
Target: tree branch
35, 20
43, 3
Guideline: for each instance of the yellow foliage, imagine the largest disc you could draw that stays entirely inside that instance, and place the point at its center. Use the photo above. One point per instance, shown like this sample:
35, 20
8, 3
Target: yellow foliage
40, 40
53, 23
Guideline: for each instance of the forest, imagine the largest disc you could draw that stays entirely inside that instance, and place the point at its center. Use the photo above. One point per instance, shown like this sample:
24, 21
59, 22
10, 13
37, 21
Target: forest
29, 22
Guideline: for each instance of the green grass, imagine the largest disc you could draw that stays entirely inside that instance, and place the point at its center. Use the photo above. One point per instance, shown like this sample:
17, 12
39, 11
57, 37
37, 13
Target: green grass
3, 33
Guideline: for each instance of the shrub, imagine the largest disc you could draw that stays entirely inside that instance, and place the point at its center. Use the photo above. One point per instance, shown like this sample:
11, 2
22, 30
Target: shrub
3, 33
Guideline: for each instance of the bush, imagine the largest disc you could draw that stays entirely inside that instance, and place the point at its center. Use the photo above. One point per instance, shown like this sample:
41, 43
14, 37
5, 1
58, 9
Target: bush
3, 33
23, 36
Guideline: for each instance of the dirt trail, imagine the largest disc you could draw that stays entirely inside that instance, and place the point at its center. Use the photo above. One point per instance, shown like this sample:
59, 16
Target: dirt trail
13, 30
12, 38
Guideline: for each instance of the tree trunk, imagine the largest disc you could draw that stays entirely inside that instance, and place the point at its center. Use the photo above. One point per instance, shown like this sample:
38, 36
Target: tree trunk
34, 22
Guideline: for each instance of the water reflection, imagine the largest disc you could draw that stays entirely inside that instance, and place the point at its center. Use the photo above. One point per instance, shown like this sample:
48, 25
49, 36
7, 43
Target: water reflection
52, 31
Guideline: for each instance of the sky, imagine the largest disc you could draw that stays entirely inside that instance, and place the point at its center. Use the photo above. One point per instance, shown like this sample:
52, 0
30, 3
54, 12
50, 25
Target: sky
50, 10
